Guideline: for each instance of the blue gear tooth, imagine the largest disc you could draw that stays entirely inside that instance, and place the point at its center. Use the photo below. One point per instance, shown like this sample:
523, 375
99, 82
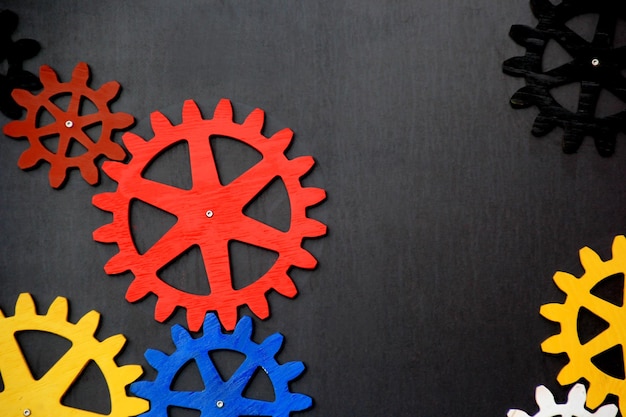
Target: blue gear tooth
243, 328
292, 370
257, 355
155, 357
140, 388
211, 324
300, 402
273, 344
180, 336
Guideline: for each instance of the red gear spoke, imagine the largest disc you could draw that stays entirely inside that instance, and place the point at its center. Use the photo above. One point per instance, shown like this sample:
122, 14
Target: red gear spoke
249, 184
209, 215
254, 232
203, 169
163, 196
171, 245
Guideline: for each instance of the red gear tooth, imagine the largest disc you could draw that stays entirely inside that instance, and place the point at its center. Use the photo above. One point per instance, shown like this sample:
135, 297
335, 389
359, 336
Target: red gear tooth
28, 159
303, 259
117, 264
260, 308
303, 164
13, 129
56, 176
114, 169
282, 139
22, 96
195, 320
286, 288
70, 125
105, 234
163, 310
255, 120
47, 76
81, 73
159, 122
132, 142
313, 228
227, 214
109, 90
223, 111
191, 113
313, 196
136, 291
104, 201
115, 153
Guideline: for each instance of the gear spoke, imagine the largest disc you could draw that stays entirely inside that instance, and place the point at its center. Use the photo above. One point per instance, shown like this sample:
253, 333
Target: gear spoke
203, 168
14, 370
600, 343
254, 232
163, 196
170, 246
66, 370
605, 30
249, 184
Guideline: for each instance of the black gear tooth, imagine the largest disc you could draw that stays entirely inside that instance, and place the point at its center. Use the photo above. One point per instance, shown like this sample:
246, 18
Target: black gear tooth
524, 97
605, 144
525, 35
543, 125
572, 139
516, 66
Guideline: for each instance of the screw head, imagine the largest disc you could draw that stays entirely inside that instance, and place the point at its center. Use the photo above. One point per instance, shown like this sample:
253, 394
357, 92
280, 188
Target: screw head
209, 213
219, 404
26, 412
69, 123
595, 62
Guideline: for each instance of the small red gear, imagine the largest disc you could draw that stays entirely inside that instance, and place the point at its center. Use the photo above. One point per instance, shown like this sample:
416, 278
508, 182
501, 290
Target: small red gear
69, 125
210, 214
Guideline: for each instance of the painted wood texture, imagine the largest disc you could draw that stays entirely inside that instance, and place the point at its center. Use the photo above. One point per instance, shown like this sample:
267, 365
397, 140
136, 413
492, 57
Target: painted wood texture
209, 215
26, 396
70, 126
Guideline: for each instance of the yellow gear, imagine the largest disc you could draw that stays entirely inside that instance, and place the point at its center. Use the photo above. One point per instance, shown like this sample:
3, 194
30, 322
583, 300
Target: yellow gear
25, 396
579, 295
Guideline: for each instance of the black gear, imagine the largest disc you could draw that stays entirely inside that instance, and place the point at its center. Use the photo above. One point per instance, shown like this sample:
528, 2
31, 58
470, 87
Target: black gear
15, 53
597, 65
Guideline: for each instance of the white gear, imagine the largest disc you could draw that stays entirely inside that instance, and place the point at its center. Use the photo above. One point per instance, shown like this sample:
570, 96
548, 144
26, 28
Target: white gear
574, 407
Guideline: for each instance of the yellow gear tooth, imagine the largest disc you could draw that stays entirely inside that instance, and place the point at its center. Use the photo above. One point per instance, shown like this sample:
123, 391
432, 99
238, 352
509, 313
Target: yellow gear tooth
89, 322
553, 344
565, 281
595, 396
568, 375
114, 343
58, 309
589, 259
25, 305
552, 311
131, 372
619, 245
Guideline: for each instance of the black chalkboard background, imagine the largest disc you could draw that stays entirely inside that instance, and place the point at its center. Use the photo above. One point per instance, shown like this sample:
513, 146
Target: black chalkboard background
446, 218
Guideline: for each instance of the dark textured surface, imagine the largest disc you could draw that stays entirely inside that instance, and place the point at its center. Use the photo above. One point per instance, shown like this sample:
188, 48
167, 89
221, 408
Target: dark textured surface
446, 217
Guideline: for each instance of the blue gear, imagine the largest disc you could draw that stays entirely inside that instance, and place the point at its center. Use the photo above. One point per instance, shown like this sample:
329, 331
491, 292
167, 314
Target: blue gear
221, 398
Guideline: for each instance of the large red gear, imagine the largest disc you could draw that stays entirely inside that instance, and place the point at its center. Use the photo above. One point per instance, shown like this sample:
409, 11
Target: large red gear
69, 125
209, 215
